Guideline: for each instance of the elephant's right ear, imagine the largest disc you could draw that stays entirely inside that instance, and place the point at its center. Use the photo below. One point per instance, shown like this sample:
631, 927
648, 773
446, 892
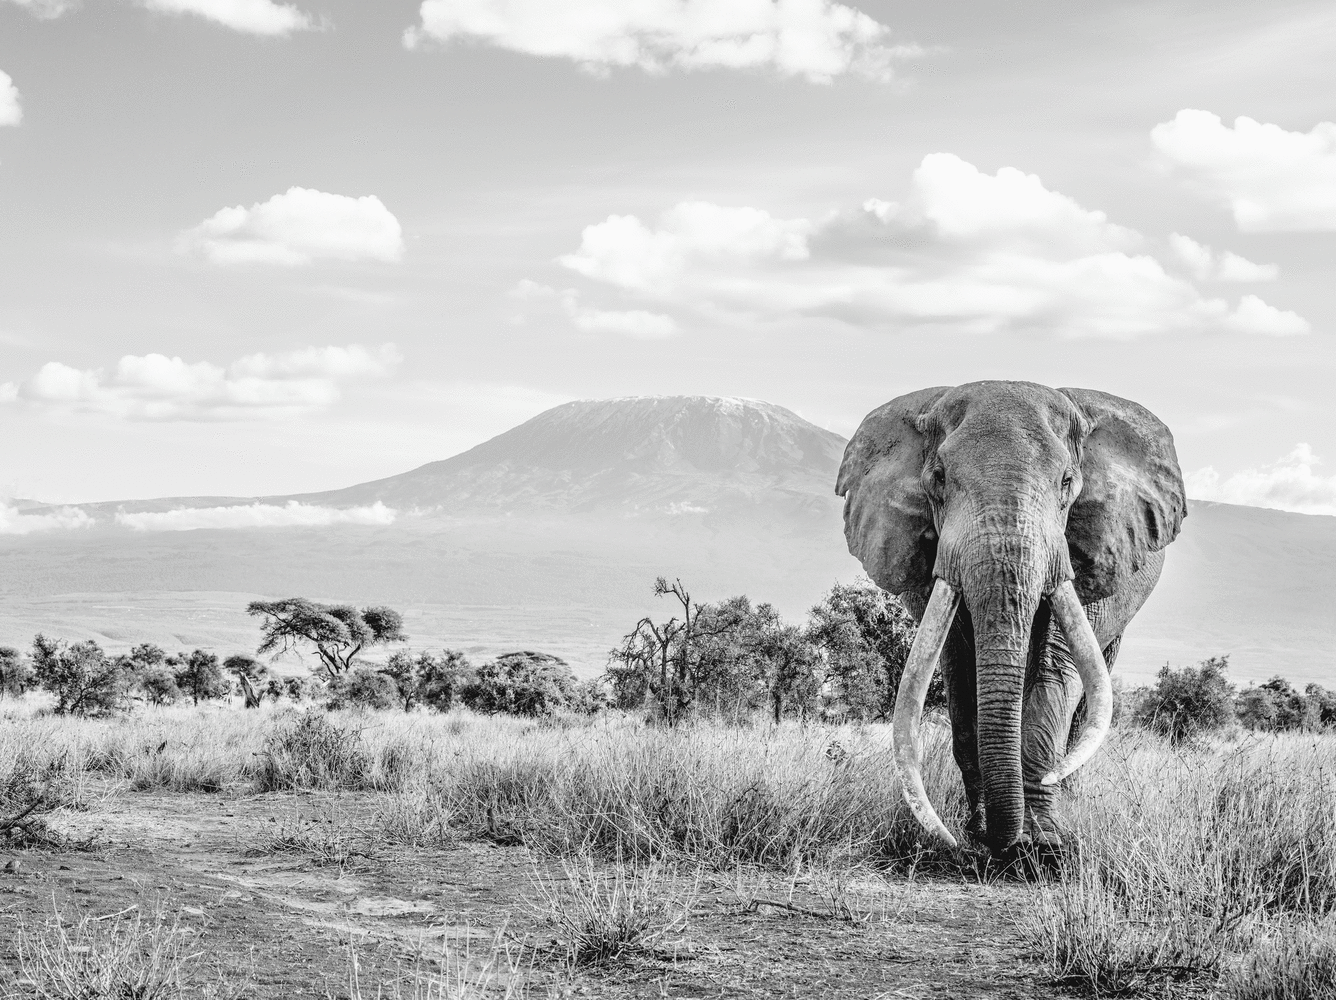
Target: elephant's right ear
887, 519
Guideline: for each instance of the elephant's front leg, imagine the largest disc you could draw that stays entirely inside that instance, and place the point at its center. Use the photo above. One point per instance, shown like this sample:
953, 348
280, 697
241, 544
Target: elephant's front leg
1052, 691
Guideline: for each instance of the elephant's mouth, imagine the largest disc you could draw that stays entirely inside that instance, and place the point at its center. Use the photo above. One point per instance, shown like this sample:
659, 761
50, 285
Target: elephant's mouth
923, 659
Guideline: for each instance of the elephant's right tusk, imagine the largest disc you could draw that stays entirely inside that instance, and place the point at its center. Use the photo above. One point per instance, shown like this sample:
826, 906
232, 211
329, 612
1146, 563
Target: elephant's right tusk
1094, 678
923, 656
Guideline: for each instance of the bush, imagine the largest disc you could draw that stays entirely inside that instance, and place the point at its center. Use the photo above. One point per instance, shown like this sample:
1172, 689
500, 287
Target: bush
361, 688
199, 676
1324, 705
15, 673
1277, 707
158, 686
427, 679
1189, 701
81, 677
524, 683
312, 752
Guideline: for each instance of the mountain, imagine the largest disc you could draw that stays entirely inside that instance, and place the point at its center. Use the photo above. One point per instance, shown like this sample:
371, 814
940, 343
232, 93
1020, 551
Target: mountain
550, 536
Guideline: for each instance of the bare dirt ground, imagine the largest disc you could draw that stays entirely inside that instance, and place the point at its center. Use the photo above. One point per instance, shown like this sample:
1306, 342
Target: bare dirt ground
279, 923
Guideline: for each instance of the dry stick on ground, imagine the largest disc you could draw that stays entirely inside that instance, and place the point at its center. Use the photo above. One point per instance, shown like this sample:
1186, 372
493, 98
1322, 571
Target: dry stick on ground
781, 905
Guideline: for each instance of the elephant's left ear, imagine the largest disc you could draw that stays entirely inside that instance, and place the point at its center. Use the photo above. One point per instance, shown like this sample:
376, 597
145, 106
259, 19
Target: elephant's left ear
1132, 501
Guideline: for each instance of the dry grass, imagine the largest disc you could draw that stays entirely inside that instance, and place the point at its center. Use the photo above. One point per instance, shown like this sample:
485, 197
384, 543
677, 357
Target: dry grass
460, 969
1213, 867
603, 913
119, 956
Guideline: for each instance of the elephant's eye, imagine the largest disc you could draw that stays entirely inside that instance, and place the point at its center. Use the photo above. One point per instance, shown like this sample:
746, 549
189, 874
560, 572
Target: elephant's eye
1067, 481
938, 479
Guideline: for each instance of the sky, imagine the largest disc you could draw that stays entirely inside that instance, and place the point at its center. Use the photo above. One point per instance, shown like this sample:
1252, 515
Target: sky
253, 248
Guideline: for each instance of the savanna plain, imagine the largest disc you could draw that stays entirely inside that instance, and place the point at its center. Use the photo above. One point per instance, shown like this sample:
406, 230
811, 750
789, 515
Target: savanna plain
290, 851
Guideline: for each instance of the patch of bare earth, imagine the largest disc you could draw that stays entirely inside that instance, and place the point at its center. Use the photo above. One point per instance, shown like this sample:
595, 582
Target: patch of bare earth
280, 885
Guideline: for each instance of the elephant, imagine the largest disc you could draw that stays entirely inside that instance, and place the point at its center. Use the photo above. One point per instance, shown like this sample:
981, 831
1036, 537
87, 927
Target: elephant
1023, 526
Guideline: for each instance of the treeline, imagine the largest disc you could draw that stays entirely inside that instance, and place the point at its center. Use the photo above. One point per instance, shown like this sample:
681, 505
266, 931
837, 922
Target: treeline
1191, 701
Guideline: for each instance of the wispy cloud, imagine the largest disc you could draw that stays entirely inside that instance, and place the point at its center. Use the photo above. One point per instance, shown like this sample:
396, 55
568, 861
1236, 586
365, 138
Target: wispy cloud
815, 39
257, 515
252, 17
1271, 179
298, 227
638, 324
11, 112
156, 387
46, 9
1206, 264
15, 522
965, 250
1291, 483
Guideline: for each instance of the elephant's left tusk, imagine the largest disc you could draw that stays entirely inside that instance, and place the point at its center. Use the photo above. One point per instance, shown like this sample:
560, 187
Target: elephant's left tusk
909, 699
1094, 678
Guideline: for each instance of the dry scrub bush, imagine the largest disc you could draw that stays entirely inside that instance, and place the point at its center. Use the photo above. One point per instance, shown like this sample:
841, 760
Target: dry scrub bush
1186, 855
1294, 964
463, 968
602, 914
122, 956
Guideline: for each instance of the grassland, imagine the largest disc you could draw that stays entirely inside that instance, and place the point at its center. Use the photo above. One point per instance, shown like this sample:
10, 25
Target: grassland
623, 859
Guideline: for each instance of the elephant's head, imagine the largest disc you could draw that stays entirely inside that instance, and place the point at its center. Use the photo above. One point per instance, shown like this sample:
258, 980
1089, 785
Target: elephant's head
1003, 495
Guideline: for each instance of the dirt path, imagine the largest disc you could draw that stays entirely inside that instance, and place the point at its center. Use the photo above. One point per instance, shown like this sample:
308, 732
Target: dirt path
281, 920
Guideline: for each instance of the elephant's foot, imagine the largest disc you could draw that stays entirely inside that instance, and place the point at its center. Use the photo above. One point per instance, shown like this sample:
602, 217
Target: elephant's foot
1042, 832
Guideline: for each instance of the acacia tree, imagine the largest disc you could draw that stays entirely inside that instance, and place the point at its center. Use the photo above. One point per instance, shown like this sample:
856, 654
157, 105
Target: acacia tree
83, 679
337, 631
658, 658
200, 676
428, 679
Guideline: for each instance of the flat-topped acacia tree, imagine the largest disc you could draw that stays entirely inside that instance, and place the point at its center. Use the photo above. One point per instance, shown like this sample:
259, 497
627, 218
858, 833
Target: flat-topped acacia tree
337, 631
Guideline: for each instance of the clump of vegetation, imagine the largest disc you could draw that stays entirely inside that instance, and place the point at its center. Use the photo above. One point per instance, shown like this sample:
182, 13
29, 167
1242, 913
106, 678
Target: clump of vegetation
602, 915
732, 658
83, 679
125, 955
1188, 702
310, 751
525, 684
1293, 964
429, 679
15, 672
363, 688
29, 792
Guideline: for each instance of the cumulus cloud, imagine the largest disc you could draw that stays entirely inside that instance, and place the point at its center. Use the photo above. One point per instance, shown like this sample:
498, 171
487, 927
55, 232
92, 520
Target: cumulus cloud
964, 250
1271, 179
1207, 265
16, 522
11, 112
257, 515
298, 227
814, 39
638, 324
156, 387
252, 17
45, 9
1292, 483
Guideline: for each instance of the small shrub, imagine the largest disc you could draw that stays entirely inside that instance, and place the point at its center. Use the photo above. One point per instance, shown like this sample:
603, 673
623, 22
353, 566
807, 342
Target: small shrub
1188, 702
524, 683
118, 958
158, 686
603, 915
1297, 964
1324, 705
81, 677
312, 752
360, 688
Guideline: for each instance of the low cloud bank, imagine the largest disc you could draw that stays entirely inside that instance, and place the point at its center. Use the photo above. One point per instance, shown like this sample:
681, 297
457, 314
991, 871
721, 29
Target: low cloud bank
257, 515
1290, 483
156, 387
15, 522
11, 112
